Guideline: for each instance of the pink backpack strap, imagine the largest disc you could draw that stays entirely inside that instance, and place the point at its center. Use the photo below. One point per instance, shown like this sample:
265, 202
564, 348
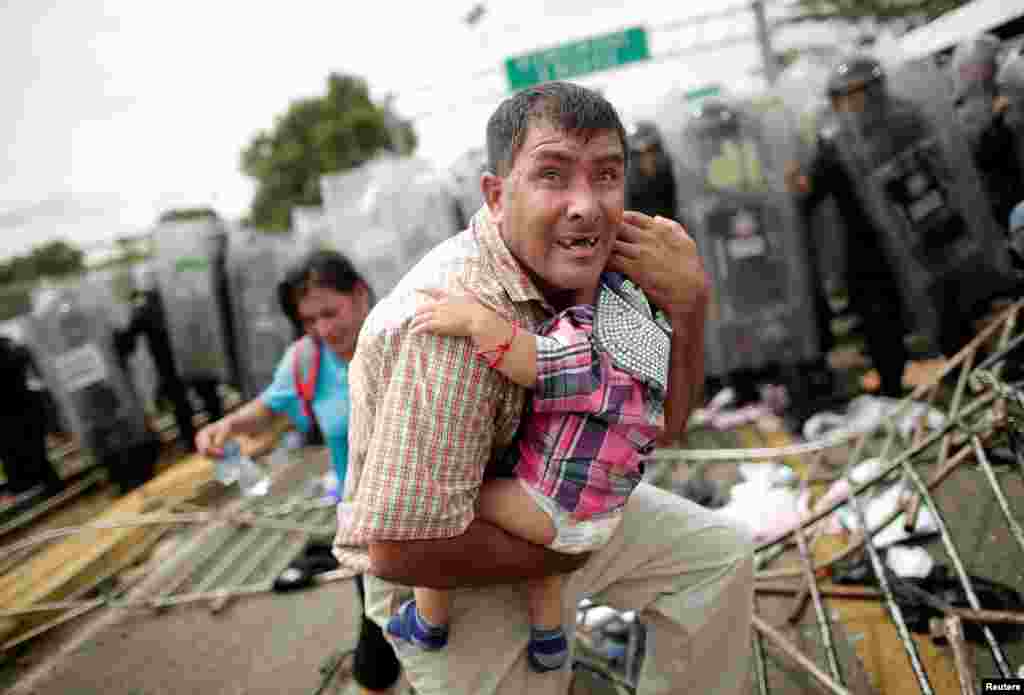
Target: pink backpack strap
306, 387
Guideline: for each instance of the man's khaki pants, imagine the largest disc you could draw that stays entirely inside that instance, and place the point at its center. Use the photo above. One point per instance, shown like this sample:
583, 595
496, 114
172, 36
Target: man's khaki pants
687, 571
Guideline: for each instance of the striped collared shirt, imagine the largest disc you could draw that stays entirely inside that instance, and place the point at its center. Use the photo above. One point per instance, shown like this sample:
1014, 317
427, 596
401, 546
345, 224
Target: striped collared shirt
427, 414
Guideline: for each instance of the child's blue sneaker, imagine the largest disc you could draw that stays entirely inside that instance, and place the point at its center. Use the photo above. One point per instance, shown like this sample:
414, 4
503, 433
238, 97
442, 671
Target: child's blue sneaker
408, 625
548, 650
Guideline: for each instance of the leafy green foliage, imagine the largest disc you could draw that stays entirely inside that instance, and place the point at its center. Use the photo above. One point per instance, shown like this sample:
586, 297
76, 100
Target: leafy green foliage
186, 214
875, 9
335, 132
52, 259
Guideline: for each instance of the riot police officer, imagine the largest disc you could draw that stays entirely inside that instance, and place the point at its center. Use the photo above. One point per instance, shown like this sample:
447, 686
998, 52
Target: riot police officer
148, 319
730, 155
23, 418
924, 250
650, 184
981, 113
856, 86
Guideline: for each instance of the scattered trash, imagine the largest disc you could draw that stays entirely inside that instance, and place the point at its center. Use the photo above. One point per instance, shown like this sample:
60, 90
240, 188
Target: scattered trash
315, 558
880, 507
909, 562
920, 598
233, 466
704, 492
769, 473
719, 414
865, 413
766, 510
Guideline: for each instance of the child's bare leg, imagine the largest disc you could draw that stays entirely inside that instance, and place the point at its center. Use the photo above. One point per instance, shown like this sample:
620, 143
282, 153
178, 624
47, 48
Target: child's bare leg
545, 600
505, 503
423, 621
432, 604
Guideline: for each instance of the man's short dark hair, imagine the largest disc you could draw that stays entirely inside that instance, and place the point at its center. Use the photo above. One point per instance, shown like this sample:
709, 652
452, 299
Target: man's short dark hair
566, 106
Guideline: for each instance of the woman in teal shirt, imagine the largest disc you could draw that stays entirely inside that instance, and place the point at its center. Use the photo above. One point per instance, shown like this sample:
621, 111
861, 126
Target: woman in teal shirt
327, 301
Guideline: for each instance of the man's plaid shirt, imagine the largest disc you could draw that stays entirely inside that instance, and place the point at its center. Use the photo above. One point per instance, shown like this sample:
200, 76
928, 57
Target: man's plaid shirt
426, 412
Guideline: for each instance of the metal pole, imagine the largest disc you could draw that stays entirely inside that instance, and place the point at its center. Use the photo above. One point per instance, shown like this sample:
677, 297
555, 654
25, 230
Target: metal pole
764, 40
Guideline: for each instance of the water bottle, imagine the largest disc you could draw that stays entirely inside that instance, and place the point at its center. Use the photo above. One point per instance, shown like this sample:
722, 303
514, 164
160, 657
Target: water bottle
226, 468
252, 479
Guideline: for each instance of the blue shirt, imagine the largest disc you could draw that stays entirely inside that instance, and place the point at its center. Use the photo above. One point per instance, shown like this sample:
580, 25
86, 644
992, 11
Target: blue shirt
330, 401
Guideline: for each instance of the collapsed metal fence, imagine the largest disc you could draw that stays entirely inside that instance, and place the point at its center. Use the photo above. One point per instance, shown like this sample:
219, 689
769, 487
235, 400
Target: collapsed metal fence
983, 409
248, 544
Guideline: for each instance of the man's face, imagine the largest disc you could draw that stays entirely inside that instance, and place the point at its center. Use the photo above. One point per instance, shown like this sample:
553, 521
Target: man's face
560, 208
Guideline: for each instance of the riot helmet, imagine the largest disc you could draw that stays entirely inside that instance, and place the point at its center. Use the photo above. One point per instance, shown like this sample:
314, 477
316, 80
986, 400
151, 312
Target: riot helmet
1010, 82
854, 73
642, 136
716, 118
727, 147
857, 89
645, 149
974, 66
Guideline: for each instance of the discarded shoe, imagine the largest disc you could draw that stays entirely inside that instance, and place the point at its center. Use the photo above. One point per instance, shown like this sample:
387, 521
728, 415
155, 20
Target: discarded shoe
314, 559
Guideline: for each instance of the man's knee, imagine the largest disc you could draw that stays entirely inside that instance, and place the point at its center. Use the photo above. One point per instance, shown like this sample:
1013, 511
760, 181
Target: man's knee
695, 535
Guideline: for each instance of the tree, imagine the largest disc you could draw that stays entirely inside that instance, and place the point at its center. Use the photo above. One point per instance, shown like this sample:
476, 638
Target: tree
52, 259
320, 135
187, 214
57, 258
880, 10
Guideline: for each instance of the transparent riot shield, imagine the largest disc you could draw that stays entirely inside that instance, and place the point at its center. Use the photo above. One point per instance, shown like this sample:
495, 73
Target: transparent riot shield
730, 162
915, 176
189, 277
1010, 82
973, 76
73, 347
801, 87
257, 262
109, 291
399, 208
465, 175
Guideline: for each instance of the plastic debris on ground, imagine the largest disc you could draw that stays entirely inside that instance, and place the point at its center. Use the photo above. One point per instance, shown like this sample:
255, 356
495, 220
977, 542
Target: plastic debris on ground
763, 502
880, 506
909, 562
720, 415
866, 413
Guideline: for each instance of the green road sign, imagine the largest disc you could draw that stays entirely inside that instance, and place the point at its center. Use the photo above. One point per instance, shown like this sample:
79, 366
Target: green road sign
578, 58
712, 90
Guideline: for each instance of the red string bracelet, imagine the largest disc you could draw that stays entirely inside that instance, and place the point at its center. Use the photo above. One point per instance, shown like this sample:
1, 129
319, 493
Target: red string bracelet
501, 349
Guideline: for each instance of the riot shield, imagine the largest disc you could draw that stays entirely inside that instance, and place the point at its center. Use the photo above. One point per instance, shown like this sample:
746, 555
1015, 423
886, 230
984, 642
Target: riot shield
730, 160
109, 291
73, 347
465, 174
973, 75
916, 179
257, 262
1010, 82
801, 87
402, 209
189, 276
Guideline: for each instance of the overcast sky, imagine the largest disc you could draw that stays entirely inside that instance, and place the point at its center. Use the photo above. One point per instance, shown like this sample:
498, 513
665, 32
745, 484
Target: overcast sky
115, 110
